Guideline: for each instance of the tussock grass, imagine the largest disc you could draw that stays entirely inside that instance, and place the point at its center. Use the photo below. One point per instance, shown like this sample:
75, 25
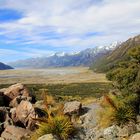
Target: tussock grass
117, 110
60, 126
55, 122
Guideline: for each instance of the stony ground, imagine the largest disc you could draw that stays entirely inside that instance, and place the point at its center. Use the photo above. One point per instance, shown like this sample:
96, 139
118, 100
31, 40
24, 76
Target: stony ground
18, 108
51, 76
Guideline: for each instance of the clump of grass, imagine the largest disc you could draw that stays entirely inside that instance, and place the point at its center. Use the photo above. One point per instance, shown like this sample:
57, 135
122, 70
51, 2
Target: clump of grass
59, 126
117, 110
106, 117
49, 101
123, 115
55, 123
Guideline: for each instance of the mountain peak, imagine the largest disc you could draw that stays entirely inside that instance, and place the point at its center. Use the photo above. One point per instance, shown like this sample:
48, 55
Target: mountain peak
4, 66
62, 59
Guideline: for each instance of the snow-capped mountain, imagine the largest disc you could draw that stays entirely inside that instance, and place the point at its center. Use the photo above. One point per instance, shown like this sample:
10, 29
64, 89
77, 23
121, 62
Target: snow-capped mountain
60, 54
62, 59
109, 61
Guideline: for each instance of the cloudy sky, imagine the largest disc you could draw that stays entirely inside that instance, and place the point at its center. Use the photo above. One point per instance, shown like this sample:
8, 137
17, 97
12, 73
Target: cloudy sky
34, 28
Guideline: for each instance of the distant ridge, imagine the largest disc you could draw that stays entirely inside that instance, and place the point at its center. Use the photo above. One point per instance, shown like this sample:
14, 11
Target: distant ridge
108, 61
82, 58
4, 66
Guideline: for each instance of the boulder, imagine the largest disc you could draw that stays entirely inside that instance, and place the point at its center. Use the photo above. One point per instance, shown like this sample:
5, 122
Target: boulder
135, 137
14, 133
73, 107
110, 133
4, 116
2, 99
13, 114
16, 90
48, 137
138, 119
3, 90
127, 130
24, 114
138, 127
16, 101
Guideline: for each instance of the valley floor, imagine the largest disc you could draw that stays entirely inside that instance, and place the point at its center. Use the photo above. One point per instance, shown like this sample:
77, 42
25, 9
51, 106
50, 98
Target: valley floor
51, 76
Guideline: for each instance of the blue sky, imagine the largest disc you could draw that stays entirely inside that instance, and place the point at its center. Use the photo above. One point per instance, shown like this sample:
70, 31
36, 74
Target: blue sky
35, 28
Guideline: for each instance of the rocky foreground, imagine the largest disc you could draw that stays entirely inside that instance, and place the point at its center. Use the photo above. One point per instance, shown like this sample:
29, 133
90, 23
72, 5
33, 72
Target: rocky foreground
19, 111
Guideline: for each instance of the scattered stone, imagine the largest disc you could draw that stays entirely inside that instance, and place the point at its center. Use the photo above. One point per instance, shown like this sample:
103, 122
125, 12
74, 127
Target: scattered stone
48, 137
14, 133
73, 107
91, 118
138, 127
17, 112
127, 130
135, 137
138, 118
110, 133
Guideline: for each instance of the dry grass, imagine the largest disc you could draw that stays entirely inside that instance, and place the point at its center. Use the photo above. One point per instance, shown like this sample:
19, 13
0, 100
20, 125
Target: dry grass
87, 100
55, 122
51, 76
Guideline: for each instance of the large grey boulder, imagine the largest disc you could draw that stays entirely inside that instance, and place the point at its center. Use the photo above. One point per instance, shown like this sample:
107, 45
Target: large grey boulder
73, 107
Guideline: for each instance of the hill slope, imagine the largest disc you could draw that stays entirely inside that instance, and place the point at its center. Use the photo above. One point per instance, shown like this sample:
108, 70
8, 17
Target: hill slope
4, 67
83, 58
108, 61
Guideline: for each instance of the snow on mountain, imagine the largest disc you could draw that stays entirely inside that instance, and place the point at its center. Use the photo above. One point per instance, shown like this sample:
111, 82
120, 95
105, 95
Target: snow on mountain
62, 59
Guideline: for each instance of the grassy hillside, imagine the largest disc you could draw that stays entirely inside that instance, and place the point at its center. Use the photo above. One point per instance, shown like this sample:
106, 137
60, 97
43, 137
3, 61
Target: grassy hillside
110, 60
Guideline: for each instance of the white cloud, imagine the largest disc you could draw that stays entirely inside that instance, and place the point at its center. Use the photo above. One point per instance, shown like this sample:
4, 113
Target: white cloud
65, 23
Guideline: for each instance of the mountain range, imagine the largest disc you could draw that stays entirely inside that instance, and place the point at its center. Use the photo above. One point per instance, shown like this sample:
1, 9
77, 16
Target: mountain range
4, 66
110, 60
82, 58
